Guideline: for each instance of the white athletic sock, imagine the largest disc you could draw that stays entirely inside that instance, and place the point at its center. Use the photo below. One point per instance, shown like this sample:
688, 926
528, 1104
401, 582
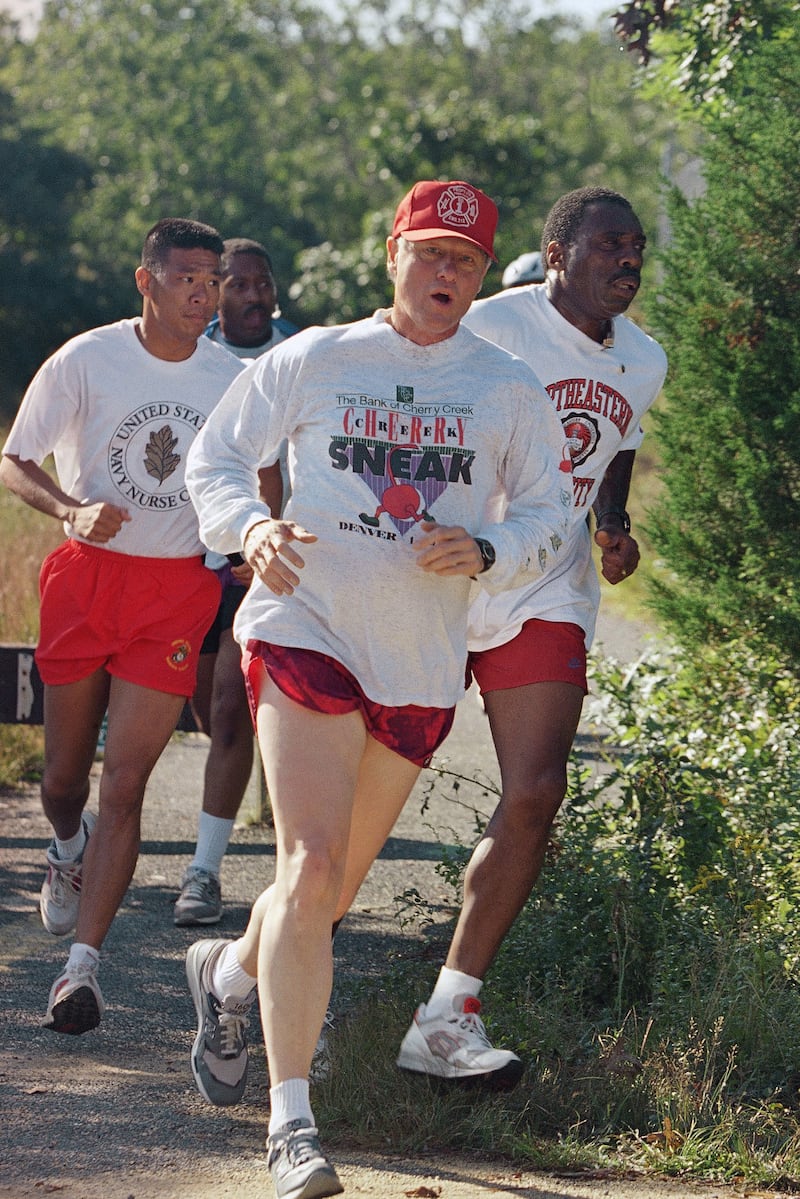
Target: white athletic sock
70, 850
452, 988
229, 977
289, 1101
83, 955
213, 835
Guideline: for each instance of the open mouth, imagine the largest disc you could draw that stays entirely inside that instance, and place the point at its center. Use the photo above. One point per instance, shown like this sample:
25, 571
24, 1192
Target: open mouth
629, 284
442, 297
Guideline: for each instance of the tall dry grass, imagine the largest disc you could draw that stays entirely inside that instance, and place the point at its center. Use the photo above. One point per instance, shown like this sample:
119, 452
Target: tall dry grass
26, 537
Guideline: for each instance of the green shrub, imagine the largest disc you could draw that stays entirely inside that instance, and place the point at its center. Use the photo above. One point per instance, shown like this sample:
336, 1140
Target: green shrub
650, 983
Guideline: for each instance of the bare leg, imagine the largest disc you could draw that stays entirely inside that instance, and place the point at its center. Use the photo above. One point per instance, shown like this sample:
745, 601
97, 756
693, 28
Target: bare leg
140, 723
315, 765
533, 729
201, 700
379, 799
311, 762
72, 716
230, 755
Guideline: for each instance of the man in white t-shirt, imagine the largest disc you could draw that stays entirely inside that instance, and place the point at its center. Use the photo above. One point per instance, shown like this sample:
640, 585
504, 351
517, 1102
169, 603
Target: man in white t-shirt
126, 599
528, 645
401, 429
248, 321
247, 324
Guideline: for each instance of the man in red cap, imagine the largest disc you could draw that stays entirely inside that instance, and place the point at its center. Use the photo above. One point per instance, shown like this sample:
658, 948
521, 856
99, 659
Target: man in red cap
411, 476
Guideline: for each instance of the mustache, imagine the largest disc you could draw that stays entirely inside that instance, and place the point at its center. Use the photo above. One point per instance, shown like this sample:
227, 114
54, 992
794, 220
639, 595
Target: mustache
629, 274
261, 308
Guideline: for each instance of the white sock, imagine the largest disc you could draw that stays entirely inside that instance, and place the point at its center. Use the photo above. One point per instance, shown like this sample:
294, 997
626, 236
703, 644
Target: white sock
83, 955
229, 977
213, 835
70, 850
452, 988
289, 1101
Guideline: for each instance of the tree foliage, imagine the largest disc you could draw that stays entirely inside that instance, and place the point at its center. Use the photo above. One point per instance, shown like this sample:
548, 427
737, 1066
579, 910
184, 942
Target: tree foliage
700, 44
277, 121
43, 187
727, 524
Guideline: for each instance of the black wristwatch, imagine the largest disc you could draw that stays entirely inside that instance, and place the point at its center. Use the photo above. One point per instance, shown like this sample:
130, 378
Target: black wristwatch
488, 555
625, 520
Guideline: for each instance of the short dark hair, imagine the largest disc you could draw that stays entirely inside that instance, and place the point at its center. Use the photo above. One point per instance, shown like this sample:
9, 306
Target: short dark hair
243, 245
177, 233
566, 216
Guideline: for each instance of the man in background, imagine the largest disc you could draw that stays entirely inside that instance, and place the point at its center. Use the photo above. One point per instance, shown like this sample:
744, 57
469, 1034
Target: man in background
248, 325
248, 321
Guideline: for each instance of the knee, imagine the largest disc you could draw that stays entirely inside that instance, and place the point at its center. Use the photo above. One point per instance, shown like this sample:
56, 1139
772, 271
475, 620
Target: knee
533, 803
313, 877
230, 725
63, 787
122, 788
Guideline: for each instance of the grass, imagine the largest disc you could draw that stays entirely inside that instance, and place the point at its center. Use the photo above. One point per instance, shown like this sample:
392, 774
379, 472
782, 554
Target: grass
26, 537
651, 982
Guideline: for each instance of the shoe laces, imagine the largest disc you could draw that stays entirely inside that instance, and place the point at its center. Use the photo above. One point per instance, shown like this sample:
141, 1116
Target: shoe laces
471, 1023
199, 885
232, 1024
65, 880
299, 1145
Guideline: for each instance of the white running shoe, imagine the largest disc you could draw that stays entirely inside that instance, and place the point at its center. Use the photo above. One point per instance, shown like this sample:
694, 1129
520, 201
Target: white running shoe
75, 1004
61, 889
456, 1046
321, 1061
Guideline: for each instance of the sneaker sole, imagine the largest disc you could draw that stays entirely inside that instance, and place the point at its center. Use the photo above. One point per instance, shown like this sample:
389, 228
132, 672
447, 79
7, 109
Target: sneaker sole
319, 1184
194, 977
76, 1014
187, 920
504, 1079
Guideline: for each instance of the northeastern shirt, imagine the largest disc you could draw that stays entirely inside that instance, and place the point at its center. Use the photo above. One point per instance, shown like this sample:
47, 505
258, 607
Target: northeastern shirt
383, 435
599, 394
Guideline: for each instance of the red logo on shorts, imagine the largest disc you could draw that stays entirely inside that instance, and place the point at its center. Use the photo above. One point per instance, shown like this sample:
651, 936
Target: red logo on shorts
178, 658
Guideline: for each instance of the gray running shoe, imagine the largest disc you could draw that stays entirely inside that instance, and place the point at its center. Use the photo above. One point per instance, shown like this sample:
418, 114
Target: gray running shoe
75, 1004
219, 1053
200, 900
61, 889
299, 1168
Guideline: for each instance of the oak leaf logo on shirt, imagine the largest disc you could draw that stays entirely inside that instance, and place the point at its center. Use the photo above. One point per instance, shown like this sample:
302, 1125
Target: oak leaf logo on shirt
147, 455
160, 460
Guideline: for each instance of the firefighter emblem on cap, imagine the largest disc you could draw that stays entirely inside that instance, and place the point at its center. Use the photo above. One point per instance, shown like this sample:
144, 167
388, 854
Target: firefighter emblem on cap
458, 205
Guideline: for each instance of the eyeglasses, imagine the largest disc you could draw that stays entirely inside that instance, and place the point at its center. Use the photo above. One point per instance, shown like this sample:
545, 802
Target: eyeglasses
466, 262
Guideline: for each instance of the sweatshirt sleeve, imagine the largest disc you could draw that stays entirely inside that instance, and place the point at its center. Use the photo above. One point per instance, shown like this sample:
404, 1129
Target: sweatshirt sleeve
538, 496
243, 432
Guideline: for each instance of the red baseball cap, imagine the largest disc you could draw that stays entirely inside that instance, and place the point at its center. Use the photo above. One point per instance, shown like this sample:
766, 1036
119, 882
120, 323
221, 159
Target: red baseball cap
454, 209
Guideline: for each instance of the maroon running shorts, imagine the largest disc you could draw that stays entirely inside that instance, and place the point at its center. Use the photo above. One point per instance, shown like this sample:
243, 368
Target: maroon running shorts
322, 684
